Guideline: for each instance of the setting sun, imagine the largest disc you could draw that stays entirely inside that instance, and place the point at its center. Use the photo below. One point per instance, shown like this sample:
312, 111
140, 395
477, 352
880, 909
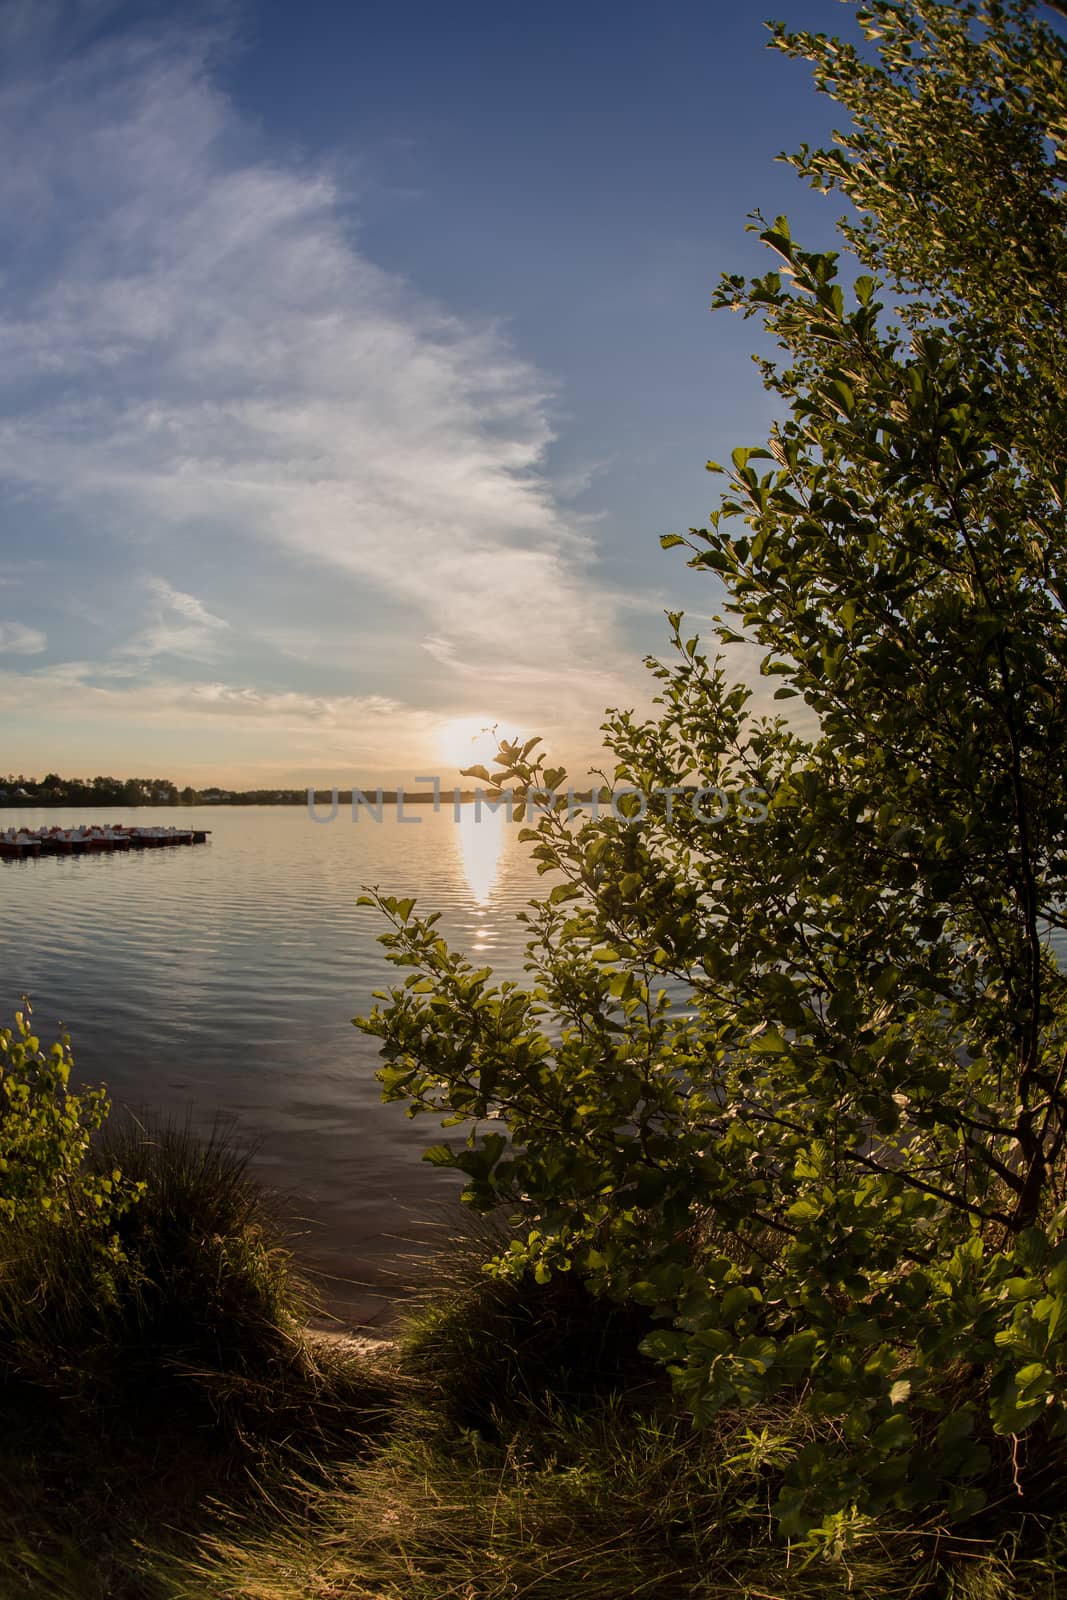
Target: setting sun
469, 741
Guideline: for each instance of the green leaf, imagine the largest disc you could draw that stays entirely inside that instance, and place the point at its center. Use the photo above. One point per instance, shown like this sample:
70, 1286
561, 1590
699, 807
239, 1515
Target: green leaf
895, 1433
664, 1345
769, 1043
844, 396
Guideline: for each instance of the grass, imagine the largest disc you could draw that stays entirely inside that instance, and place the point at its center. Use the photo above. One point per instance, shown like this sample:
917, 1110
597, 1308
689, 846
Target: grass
600, 1505
170, 1432
539, 1457
140, 1393
489, 1354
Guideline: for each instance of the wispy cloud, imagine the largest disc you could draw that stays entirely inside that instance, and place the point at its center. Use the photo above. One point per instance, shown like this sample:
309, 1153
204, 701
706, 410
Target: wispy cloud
283, 733
177, 624
16, 639
194, 350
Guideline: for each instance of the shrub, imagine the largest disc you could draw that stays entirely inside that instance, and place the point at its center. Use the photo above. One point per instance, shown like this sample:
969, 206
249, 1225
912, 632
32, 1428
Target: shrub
45, 1134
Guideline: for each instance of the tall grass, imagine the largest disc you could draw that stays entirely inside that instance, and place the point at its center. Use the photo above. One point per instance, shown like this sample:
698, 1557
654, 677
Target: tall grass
144, 1383
489, 1353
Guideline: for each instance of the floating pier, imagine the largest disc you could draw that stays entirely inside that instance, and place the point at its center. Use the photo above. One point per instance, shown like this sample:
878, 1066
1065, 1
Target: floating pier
18, 844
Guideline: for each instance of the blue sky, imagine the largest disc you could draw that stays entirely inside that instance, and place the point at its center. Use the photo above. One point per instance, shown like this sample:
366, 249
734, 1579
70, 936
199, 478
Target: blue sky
353, 357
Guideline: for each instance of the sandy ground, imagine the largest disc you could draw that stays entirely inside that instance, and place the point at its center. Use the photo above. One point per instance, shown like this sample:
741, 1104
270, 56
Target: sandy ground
364, 1345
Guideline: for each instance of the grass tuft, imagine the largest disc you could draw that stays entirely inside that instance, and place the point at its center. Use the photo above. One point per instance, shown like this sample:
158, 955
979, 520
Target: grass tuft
491, 1352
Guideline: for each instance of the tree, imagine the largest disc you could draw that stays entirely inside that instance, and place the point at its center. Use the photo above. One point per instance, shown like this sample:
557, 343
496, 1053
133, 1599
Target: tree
800, 1084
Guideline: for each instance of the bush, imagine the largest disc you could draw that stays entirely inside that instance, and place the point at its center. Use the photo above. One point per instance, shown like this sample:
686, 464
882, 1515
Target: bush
45, 1134
197, 1295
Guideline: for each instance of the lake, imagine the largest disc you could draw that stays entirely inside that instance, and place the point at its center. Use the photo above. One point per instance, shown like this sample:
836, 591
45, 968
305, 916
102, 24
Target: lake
220, 980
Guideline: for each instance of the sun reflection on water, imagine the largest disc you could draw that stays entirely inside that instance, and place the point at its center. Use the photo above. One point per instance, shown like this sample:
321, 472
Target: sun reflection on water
481, 846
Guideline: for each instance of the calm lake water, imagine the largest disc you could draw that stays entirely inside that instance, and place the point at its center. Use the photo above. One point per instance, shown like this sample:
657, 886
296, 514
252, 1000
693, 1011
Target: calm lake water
220, 980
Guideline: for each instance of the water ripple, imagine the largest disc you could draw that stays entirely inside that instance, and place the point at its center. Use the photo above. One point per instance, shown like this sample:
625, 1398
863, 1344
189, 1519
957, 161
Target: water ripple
220, 981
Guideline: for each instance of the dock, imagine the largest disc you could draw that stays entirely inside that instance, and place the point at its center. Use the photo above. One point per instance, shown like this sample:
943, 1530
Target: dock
19, 844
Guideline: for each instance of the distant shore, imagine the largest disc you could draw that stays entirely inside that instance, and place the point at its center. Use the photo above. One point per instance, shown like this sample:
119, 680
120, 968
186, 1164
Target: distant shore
271, 797
256, 798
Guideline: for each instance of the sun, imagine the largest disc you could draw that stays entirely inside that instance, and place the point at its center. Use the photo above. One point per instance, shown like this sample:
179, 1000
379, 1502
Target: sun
469, 741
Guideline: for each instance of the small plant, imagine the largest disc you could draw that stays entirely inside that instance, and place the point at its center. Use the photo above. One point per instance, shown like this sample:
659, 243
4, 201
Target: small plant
45, 1135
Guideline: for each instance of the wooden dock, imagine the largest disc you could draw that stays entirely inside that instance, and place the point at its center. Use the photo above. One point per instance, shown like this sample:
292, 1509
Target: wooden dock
19, 844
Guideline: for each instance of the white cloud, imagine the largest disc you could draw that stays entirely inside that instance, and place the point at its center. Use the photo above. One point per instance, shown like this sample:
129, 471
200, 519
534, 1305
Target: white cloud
211, 351
178, 625
16, 639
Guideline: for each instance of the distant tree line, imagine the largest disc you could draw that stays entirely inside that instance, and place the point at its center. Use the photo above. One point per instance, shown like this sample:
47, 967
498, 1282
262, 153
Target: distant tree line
52, 790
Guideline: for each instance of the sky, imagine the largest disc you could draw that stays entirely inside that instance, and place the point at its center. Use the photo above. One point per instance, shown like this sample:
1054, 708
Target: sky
353, 358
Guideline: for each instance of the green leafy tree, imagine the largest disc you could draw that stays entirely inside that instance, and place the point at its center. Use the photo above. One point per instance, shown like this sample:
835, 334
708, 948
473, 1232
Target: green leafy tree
797, 1081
